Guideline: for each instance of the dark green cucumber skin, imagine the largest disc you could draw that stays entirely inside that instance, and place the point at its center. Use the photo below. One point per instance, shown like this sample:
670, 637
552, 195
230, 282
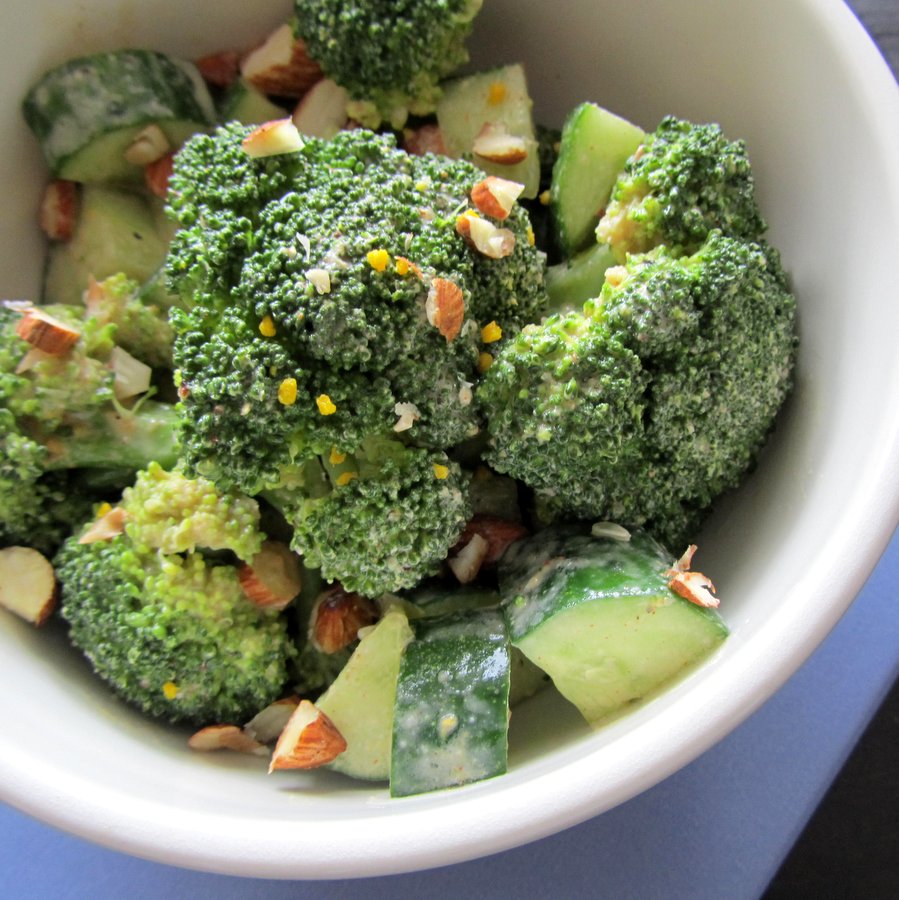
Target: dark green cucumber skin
88, 97
451, 715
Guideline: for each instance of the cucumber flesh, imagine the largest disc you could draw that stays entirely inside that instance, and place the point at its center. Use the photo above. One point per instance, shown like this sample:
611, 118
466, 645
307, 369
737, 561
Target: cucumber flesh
116, 231
360, 701
594, 147
599, 618
452, 704
243, 103
86, 112
500, 98
569, 284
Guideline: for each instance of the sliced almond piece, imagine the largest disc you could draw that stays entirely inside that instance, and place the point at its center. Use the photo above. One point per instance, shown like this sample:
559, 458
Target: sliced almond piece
485, 237
337, 617
445, 307
219, 69
46, 332
498, 533
495, 144
269, 722
281, 65
426, 139
59, 210
158, 173
322, 111
149, 145
695, 587
309, 740
272, 579
28, 585
496, 196
132, 377
272, 139
105, 528
225, 737
466, 564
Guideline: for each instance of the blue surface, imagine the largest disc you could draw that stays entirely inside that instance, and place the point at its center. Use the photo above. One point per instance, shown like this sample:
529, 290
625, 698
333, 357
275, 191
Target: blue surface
718, 828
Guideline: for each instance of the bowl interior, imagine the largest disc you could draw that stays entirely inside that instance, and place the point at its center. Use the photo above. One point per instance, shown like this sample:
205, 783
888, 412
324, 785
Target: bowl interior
801, 83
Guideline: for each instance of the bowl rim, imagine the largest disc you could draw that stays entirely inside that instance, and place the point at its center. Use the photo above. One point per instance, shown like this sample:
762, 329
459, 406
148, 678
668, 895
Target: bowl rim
569, 793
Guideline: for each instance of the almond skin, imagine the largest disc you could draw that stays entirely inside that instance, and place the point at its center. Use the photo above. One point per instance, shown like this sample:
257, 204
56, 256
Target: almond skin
158, 173
46, 333
309, 740
446, 308
219, 69
337, 617
281, 65
499, 534
496, 197
59, 210
225, 737
272, 579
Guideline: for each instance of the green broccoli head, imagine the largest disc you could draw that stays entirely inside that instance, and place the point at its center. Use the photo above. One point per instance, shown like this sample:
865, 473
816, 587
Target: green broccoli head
378, 520
655, 399
159, 609
389, 56
323, 325
686, 180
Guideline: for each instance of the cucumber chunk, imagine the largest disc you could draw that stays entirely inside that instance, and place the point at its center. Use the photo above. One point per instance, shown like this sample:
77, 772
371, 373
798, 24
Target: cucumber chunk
243, 103
571, 283
598, 617
452, 704
361, 699
594, 148
86, 113
116, 231
497, 98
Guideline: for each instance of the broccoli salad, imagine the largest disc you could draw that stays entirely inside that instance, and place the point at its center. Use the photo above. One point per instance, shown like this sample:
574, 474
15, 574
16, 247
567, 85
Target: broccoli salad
357, 407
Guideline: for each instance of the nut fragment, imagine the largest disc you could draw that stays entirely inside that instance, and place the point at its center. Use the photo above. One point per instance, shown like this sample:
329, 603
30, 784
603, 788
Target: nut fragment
225, 737
106, 527
484, 236
158, 173
337, 617
466, 564
445, 307
496, 145
281, 65
149, 145
496, 196
695, 587
497, 532
272, 578
426, 139
309, 740
46, 332
272, 139
28, 584
59, 210
269, 722
219, 69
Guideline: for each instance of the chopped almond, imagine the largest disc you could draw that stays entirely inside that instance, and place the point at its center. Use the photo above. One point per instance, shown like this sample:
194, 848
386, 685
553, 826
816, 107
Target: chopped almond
309, 740
445, 307
108, 526
322, 111
149, 145
426, 139
684, 563
132, 377
225, 737
695, 587
498, 533
466, 564
158, 173
59, 210
28, 585
269, 722
496, 196
46, 332
485, 237
271, 580
219, 69
273, 138
337, 617
281, 65
496, 145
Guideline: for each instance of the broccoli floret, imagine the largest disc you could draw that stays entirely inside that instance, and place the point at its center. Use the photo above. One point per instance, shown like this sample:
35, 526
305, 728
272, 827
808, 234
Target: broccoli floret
388, 55
657, 397
685, 181
380, 519
59, 412
159, 609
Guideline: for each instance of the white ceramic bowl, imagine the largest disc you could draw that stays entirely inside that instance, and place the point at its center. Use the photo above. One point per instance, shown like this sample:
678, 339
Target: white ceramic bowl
803, 84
